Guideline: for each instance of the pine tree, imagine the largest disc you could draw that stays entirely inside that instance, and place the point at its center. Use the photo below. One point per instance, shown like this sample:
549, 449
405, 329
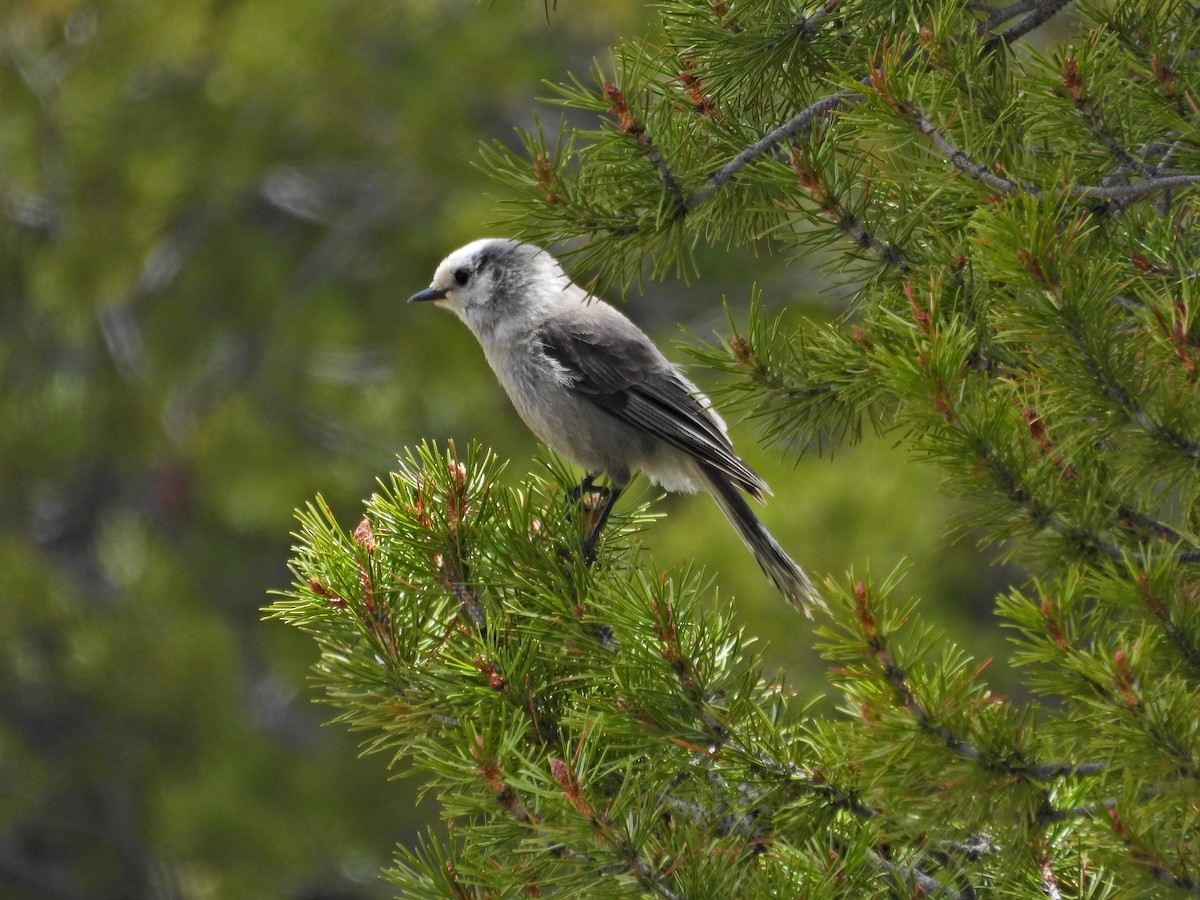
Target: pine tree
1022, 225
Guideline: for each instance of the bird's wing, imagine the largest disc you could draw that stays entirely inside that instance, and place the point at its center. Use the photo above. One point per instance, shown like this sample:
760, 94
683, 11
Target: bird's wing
623, 373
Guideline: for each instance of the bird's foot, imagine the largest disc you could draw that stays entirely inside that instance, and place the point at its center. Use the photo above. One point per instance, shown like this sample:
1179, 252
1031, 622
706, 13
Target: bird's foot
588, 486
588, 545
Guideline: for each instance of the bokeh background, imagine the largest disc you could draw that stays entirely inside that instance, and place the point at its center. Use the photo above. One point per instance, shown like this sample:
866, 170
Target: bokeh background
211, 212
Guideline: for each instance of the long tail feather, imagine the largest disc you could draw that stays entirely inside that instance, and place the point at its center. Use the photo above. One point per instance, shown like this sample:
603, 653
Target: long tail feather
785, 574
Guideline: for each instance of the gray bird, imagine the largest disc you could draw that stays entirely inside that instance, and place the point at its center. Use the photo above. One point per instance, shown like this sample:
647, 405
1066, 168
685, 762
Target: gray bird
593, 387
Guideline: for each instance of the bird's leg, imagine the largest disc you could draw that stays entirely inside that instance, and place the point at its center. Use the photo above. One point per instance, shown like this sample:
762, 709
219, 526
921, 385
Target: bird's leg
589, 543
602, 633
610, 494
587, 486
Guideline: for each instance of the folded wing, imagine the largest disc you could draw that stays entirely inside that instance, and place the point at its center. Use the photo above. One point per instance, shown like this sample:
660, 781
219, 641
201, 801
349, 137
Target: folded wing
620, 371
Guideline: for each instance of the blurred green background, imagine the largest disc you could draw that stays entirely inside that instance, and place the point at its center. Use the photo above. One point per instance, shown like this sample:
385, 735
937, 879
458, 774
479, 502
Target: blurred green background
212, 212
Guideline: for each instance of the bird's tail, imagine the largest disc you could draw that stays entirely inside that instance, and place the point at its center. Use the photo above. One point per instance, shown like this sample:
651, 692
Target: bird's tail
785, 574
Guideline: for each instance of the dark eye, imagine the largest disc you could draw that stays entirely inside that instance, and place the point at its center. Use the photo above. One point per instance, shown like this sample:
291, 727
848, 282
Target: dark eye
462, 276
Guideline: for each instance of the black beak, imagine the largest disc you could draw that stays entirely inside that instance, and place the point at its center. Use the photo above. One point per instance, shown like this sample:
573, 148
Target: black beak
427, 294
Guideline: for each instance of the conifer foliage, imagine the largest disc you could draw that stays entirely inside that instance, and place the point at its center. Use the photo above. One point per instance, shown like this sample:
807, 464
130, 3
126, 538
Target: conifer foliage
1015, 190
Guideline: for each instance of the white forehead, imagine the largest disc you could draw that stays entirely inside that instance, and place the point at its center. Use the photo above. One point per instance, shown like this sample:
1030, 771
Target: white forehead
509, 255
465, 256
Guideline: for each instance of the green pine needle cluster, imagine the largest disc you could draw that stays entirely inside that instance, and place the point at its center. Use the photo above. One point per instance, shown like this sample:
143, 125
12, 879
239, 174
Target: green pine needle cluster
1022, 224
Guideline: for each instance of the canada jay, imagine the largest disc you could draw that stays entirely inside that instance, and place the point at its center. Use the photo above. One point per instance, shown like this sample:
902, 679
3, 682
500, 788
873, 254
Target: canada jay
592, 386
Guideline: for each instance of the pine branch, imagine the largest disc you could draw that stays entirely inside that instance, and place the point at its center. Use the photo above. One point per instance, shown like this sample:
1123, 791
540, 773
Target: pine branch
634, 127
1095, 121
1113, 390
913, 879
1150, 860
1049, 815
1008, 481
1134, 714
984, 175
801, 123
834, 208
1184, 642
807, 25
1042, 12
998, 16
894, 675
